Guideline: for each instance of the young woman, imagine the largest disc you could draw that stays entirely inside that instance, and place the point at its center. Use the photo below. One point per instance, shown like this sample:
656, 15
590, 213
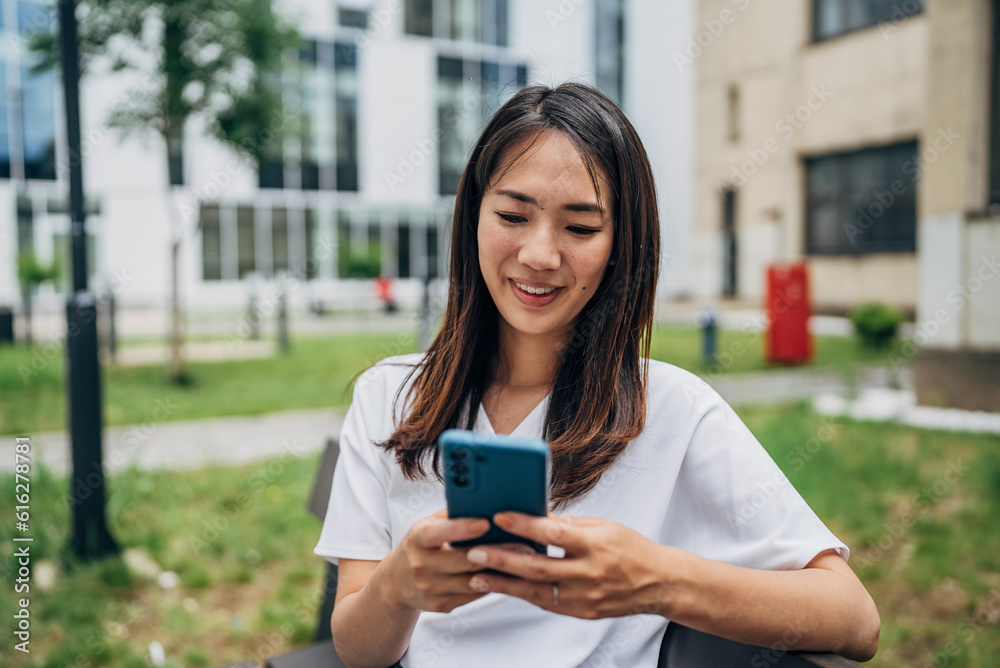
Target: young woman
665, 507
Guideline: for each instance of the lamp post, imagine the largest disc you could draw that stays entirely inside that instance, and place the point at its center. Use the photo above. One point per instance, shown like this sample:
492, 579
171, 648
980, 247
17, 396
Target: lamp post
90, 538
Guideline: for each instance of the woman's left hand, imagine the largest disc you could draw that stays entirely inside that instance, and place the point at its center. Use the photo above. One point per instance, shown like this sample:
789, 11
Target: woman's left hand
608, 571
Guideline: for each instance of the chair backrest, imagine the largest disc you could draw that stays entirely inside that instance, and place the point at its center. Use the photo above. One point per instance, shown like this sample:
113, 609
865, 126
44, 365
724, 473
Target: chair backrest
683, 647
319, 500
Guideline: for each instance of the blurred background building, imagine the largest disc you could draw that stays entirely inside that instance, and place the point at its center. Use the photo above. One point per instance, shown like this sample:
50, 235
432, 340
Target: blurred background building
389, 96
863, 138
808, 112
858, 136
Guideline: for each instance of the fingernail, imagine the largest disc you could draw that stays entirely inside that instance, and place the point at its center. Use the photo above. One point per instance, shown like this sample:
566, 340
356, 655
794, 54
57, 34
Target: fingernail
479, 525
504, 520
477, 556
478, 583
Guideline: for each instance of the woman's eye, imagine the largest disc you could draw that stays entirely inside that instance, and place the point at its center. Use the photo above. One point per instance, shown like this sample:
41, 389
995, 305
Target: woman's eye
511, 218
583, 231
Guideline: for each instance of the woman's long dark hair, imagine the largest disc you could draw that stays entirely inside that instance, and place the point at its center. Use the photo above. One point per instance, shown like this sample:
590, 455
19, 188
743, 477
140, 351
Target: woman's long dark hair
597, 403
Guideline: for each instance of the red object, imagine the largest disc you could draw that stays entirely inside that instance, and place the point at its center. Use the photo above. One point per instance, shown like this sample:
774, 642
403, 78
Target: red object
788, 309
383, 288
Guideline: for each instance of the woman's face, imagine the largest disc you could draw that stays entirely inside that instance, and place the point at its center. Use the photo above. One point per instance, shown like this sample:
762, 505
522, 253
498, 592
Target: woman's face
544, 237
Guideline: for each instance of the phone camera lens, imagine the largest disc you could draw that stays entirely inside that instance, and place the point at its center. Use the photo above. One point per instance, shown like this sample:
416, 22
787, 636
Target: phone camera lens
461, 481
459, 455
460, 468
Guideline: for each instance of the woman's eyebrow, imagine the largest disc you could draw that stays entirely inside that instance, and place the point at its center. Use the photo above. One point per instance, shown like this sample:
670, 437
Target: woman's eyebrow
584, 207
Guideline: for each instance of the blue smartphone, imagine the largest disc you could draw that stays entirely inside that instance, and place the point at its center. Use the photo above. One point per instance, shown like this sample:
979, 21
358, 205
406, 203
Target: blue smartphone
485, 475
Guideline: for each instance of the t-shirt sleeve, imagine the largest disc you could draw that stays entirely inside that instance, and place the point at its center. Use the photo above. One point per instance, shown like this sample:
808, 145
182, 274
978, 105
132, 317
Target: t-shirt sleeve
734, 504
357, 519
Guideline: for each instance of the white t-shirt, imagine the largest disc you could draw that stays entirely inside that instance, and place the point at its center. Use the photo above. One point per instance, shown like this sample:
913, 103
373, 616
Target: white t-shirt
696, 479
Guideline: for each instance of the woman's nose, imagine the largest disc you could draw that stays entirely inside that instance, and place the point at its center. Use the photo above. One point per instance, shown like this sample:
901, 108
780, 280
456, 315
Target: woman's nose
540, 249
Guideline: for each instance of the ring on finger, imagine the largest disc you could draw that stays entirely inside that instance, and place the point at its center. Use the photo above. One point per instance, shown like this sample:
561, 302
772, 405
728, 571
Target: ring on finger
555, 593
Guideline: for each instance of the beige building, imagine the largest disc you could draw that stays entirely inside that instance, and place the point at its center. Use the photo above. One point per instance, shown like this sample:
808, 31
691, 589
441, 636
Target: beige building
957, 352
862, 138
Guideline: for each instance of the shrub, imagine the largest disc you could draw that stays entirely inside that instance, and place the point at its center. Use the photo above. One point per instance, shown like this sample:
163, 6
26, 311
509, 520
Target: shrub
875, 323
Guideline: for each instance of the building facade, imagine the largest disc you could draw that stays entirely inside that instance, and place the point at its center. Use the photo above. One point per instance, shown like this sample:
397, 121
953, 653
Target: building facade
956, 346
388, 96
810, 122
861, 137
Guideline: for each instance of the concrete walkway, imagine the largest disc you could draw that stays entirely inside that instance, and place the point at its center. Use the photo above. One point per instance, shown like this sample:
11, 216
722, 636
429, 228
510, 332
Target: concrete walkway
777, 385
191, 444
194, 351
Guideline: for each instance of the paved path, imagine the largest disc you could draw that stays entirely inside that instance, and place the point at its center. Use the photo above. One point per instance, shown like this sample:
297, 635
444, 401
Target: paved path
777, 385
194, 351
191, 444
239, 440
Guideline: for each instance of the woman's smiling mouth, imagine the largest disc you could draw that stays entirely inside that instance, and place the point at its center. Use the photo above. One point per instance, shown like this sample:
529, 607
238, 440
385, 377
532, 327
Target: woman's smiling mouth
532, 295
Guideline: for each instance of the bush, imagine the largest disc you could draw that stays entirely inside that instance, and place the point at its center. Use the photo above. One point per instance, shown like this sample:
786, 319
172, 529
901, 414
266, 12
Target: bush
875, 323
363, 264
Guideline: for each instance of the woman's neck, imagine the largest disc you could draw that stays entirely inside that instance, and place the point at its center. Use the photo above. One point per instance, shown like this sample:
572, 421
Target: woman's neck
527, 361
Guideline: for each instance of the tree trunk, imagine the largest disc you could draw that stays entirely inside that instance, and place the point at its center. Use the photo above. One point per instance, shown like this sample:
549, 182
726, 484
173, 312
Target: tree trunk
177, 364
172, 131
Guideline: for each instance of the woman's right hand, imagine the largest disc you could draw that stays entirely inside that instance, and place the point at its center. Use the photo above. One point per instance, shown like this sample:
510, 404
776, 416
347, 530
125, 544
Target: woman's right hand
426, 572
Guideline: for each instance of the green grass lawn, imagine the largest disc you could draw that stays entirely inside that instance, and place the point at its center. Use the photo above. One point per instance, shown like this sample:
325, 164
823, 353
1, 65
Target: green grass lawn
739, 351
240, 541
316, 373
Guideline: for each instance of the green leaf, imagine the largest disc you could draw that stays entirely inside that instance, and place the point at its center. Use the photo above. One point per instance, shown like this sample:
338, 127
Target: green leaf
201, 58
31, 272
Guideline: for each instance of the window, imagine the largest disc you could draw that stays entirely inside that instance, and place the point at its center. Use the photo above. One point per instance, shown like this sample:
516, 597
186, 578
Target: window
25, 225
325, 92
994, 151
279, 240
359, 244
730, 248
211, 243
43, 229
343, 243
63, 258
353, 18
309, 230
268, 241
478, 21
836, 17
346, 87
27, 101
237, 240
403, 250
246, 237
733, 112
175, 159
433, 251
5, 124
419, 18
609, 43
863, 201
469, 92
